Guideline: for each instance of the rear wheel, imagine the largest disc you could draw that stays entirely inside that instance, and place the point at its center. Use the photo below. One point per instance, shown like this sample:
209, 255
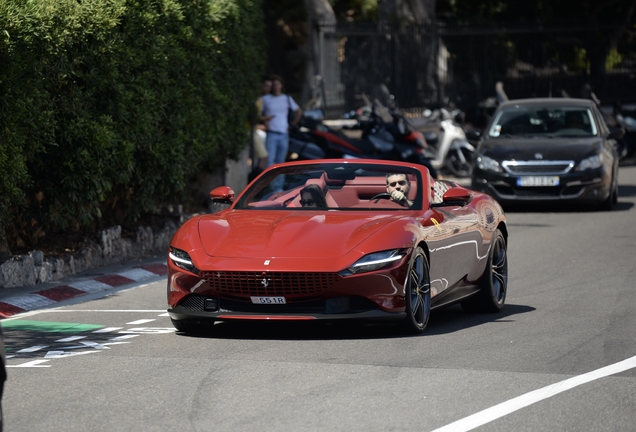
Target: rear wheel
494, 282
417, 294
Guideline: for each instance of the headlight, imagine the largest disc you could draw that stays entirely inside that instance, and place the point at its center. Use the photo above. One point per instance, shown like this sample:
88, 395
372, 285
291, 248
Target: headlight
182, 260
374, 261
487, 164
592, 162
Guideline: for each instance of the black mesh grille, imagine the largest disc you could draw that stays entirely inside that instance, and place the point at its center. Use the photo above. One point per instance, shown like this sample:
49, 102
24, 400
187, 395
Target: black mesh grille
539, 192
360, 304
539, 168
193, 302
269, 283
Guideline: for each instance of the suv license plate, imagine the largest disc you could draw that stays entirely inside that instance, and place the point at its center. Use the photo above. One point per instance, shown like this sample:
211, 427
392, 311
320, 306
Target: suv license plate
268, 300
538, 181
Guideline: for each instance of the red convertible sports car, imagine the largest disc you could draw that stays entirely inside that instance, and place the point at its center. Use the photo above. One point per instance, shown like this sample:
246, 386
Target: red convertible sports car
339, 239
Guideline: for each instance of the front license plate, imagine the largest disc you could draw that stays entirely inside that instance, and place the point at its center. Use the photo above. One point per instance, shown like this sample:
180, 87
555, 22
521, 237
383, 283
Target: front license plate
538, 181
268, 300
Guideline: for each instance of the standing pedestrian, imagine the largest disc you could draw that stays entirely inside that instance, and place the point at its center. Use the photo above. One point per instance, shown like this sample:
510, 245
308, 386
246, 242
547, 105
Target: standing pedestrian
259, 134
277, 108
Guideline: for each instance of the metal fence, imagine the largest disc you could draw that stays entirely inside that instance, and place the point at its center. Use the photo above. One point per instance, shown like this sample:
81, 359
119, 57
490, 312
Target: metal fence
434, 65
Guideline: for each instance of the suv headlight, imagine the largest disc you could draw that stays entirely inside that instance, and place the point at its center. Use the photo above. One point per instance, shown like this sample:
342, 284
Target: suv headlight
488, 164
592, 162
374, 261
182, 260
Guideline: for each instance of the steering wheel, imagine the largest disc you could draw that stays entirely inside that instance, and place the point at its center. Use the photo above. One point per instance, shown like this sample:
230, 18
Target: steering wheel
383, 195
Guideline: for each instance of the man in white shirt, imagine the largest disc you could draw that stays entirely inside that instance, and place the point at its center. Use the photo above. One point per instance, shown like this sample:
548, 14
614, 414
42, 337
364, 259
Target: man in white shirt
275, 109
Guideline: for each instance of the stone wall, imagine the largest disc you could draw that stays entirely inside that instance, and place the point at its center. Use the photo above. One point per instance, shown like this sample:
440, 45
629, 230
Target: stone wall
107, 249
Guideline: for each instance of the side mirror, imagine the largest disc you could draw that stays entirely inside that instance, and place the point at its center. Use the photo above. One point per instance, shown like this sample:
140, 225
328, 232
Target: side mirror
457, 196
473, 135
222, 194
616, 133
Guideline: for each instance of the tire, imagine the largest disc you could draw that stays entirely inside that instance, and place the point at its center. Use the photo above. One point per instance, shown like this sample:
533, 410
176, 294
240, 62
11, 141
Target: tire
456, 166
192, 327
417, 294
494, 282
608, 204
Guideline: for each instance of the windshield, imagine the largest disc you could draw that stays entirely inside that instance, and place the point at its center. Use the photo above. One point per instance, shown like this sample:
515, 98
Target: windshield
526, 121
335, 186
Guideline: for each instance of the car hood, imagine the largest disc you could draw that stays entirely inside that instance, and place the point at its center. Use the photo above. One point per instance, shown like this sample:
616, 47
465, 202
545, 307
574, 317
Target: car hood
549, 148
287, 234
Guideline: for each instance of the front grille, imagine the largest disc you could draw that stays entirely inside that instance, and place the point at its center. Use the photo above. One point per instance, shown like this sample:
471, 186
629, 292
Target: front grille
317, 306
538, 192
269, 283
537, 167
194, 302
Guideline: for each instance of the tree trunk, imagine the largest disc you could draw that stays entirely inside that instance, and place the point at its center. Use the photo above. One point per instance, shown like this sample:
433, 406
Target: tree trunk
424, 48
417, 12
321, 52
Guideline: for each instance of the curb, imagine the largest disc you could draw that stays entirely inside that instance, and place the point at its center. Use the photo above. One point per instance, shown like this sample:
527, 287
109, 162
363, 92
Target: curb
48, 297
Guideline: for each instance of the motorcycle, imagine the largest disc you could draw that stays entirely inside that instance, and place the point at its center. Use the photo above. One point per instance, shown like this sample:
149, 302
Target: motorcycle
383, 135
451, 149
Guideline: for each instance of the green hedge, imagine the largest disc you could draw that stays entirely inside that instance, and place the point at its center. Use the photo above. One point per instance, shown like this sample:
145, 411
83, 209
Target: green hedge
109, 107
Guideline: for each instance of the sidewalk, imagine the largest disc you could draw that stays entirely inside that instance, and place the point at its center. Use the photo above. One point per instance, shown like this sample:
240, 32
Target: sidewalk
23, 299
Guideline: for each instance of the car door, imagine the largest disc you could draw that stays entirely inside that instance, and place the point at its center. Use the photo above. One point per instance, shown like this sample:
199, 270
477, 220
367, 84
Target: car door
456, 246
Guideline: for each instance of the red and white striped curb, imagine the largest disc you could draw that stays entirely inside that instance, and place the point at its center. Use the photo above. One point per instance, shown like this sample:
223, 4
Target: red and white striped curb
23, 303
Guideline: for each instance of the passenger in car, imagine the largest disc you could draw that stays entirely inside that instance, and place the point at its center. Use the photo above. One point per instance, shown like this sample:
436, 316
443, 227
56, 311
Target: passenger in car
398, 185
312, 196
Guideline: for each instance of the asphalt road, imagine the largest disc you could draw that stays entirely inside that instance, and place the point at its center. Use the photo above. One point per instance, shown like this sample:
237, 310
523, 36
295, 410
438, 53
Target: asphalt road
560, 357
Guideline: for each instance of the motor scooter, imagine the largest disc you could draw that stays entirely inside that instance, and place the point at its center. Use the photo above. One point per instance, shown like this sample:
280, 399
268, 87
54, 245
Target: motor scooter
448, 146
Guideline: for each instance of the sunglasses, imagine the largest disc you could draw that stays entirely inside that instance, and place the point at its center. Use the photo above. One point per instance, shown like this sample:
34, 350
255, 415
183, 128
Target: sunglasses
307, 202
401, 183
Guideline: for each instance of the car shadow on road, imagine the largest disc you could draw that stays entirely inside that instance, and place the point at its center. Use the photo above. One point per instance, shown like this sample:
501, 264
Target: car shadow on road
442, 321
562, 207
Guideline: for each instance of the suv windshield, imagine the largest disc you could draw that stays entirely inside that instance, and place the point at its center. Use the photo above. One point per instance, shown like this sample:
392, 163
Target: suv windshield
526, 121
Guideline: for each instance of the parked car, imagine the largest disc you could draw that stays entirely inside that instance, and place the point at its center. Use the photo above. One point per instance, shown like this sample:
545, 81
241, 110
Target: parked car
557, 149
333, 240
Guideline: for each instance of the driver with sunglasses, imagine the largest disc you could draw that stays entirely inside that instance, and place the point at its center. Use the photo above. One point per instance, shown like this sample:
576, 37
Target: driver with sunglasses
398, 185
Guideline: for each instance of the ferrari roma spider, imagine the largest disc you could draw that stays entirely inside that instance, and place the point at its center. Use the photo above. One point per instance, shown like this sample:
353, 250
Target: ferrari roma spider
339, 239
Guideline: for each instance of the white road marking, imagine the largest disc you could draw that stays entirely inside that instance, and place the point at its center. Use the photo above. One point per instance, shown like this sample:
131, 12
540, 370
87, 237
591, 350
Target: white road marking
127, 336
70, 338
149, 330
164, 314
512, 405
63, 354
108, 329
29, 301
102, 310
31, 349
33, 363
141, 321
90, 286
137, 274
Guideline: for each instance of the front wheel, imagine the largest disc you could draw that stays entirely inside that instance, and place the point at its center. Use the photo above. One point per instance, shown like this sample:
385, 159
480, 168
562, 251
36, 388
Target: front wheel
417, 294
459, 163
494, 282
